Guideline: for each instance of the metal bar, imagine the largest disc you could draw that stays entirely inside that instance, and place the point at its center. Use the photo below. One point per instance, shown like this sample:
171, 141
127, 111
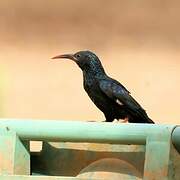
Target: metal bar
176, 138
157, 156
15, 159
78, 131
22, 177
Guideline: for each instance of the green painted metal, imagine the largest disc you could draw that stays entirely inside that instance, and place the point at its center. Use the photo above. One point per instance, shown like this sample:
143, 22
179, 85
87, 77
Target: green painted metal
62, 159
5, 177
157, 156
21, 159
7, 141
14, 158
74, 131
159, 161
174, 167
176, 138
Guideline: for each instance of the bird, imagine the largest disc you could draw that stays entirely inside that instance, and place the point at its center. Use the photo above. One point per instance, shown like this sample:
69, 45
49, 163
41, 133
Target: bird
109, 95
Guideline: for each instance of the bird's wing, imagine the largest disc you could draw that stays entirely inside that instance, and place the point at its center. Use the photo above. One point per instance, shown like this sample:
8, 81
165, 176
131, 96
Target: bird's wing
118, 83
119, 94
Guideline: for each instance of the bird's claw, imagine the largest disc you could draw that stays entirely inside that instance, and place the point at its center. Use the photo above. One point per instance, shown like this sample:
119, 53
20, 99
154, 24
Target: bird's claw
125, 120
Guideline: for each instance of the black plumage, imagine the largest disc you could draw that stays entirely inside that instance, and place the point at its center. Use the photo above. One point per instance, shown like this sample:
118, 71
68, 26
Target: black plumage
110, 96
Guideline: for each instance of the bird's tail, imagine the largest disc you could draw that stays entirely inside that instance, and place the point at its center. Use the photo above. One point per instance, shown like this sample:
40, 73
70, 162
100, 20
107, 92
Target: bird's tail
151, 121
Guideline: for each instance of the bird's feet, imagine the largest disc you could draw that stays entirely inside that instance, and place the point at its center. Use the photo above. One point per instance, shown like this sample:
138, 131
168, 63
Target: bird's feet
125, 120
115, 121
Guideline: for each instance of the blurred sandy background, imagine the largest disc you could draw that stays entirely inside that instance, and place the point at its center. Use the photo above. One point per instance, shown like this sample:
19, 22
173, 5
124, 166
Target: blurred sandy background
137, 41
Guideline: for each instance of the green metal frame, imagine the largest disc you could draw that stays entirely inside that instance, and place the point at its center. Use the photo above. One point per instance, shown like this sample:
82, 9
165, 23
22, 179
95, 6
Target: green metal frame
16, 177
157, 138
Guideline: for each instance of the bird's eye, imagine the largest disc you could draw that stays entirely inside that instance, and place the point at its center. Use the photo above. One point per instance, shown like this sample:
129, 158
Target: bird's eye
78, 55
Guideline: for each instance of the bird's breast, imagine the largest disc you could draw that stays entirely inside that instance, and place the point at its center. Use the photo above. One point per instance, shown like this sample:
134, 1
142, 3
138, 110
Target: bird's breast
97, 96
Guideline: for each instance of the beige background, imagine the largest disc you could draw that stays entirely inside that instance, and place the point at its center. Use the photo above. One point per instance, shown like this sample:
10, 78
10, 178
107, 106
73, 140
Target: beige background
137, 41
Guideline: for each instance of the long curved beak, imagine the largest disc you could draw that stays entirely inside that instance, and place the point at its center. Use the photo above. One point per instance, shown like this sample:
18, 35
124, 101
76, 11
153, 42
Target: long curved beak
65, 56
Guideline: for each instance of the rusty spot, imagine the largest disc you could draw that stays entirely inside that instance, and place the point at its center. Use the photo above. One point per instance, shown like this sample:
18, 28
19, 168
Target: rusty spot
7, 128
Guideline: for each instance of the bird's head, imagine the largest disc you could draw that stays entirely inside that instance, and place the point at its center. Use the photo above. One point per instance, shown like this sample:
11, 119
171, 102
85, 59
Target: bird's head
86, 60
